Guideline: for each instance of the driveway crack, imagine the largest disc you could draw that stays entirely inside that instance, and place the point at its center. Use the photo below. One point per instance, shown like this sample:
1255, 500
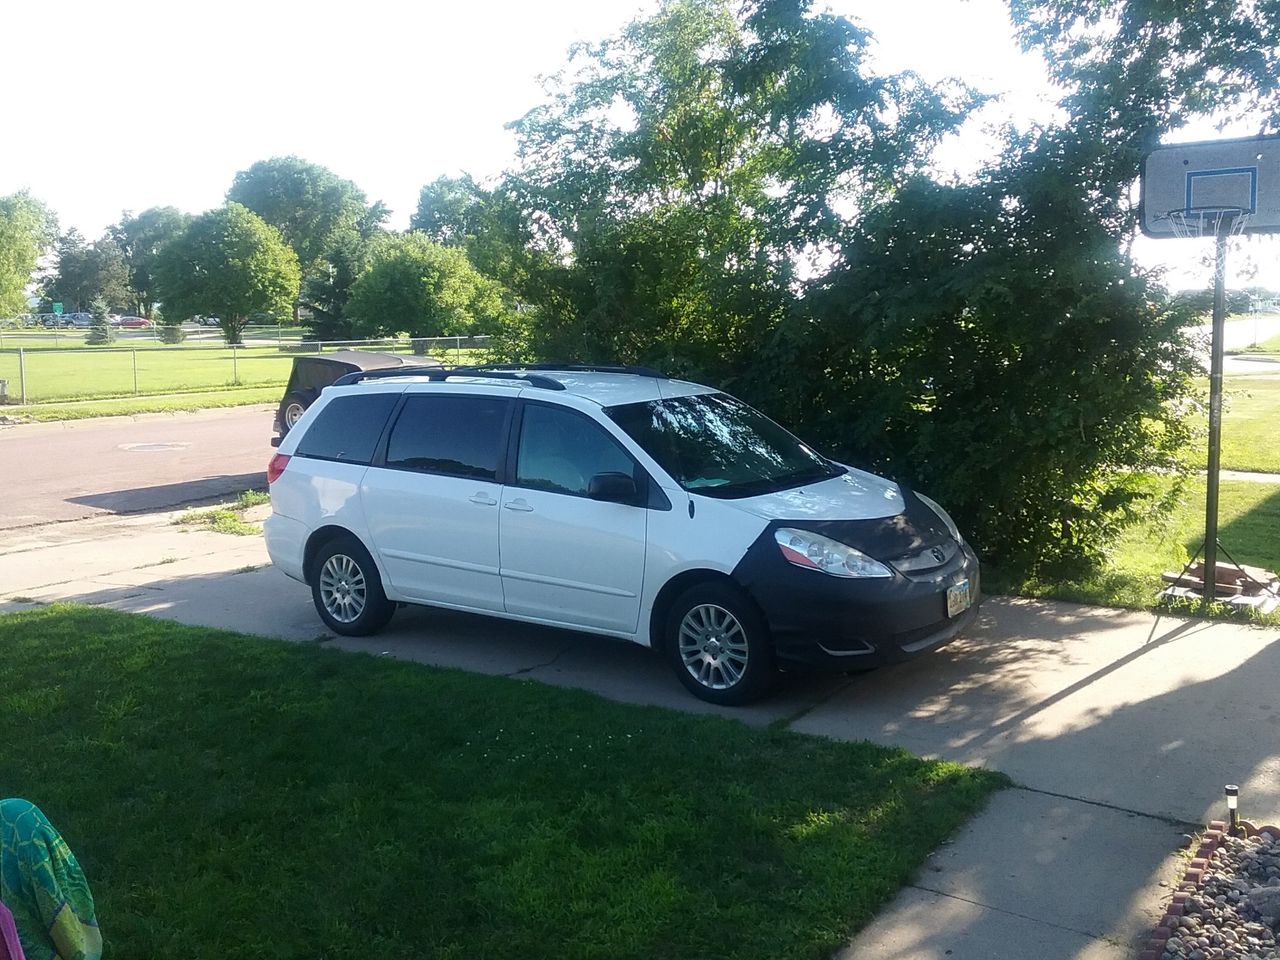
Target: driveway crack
1185, 825
538, 666
1013, 913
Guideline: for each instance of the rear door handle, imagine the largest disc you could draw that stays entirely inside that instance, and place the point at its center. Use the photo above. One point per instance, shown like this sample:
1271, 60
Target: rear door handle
482, 498
520, 505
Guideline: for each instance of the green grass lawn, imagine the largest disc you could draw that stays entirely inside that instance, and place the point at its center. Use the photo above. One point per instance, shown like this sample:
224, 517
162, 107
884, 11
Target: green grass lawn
1250, 426
1264, 346
233, 797
96, 372
103, 372
1249, 528
129, 406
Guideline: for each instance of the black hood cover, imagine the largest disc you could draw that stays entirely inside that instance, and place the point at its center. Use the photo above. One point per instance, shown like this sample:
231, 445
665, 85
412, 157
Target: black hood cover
904, 534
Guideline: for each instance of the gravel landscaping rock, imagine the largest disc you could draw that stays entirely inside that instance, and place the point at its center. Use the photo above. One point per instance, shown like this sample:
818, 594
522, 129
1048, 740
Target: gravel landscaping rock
1235, 915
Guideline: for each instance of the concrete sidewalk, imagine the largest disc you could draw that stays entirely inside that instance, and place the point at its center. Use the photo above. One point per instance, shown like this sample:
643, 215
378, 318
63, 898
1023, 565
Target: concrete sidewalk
1119, 727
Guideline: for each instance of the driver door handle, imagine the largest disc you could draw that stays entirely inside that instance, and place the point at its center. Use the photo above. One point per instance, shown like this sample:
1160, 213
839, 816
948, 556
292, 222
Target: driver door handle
483, 499
519, 504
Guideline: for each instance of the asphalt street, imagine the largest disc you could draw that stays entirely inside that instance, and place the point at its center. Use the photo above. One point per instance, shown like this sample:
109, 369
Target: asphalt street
83, 468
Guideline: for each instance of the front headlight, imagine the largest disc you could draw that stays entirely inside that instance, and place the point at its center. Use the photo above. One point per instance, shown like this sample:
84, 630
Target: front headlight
942, 515
815, 552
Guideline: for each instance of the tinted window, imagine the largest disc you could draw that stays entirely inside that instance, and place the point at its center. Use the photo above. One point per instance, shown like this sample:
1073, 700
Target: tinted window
561, 451
316, 374
458, 436
720, 447
348, 428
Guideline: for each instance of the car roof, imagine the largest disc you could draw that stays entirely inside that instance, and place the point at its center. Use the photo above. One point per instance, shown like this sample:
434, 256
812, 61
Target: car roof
367, 360
610, 389
606, 388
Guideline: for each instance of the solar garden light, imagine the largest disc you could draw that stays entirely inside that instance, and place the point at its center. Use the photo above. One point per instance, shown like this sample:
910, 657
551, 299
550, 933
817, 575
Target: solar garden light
1233, 801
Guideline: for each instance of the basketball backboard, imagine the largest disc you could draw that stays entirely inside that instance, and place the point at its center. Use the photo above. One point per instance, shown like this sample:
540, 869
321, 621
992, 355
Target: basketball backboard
1199, 181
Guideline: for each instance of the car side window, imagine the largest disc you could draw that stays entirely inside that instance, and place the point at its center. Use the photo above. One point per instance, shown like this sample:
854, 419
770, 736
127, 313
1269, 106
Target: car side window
561, 451
348, 428
451, 435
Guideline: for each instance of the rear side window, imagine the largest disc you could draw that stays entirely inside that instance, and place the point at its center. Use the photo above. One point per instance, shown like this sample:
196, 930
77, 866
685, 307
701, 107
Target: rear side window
348, 428
455, 436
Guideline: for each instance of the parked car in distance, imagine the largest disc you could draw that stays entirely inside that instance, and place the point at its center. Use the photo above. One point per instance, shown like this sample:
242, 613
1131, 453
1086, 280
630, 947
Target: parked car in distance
614, 501
80, 319
206, 321
313, 373
134, 323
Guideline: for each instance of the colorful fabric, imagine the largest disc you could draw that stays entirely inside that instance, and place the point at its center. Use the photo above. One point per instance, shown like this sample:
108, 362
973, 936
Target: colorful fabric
43, 886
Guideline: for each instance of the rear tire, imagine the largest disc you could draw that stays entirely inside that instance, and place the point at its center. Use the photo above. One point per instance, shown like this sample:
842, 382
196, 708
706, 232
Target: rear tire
347, 590
718, 643
292, 407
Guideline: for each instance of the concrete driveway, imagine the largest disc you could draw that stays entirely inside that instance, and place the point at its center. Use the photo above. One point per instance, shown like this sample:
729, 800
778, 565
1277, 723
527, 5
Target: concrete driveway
1119, 727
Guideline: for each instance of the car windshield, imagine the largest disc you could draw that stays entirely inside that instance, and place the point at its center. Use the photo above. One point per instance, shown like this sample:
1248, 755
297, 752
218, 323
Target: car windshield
717, 446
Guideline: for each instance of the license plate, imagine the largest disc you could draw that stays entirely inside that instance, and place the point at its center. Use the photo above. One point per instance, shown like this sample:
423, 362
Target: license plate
959, 599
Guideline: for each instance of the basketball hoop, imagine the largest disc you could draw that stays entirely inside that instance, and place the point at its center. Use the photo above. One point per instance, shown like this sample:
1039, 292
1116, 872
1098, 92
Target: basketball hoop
1208, 221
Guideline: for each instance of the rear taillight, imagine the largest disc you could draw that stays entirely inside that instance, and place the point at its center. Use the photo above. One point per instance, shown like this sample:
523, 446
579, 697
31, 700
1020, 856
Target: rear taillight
276, 467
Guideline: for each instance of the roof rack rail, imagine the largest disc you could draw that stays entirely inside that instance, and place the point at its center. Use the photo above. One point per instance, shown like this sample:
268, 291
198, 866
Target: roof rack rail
578, 367
440, 374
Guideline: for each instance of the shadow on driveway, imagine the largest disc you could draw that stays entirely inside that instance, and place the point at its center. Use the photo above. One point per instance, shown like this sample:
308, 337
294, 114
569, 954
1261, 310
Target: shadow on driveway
165, 496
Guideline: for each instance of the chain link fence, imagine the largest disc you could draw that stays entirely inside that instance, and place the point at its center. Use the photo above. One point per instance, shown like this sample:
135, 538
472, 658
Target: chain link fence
35, 373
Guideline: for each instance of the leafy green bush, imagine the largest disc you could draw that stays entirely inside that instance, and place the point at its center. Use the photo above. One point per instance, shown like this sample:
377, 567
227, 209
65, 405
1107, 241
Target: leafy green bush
170, 332
990, 344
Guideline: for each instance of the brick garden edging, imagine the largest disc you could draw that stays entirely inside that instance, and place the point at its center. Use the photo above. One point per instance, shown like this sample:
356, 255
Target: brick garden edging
1192, 880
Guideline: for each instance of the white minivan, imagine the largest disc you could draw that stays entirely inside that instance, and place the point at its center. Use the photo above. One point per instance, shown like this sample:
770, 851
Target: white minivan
616, 501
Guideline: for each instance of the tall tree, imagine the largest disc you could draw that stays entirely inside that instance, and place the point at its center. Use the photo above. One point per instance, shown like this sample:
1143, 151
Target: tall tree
449, 210
326, 290
306, 202
141, 239
89, 271
26, 229
427, 290
312, 207
1135, 70
683, 173
231, 264
729, 190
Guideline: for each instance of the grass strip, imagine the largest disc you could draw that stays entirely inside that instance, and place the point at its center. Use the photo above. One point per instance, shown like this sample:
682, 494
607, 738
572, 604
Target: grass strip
1248, 526
132, 406
231, 797
229, 519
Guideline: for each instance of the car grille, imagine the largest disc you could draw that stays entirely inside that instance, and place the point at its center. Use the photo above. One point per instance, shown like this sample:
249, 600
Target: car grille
929, 558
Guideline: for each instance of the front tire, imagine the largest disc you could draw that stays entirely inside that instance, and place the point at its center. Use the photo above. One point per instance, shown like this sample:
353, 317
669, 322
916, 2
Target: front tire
719, 645
347, 590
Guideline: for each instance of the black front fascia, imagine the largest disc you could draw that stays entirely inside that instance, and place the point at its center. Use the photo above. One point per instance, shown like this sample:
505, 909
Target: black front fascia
853, 623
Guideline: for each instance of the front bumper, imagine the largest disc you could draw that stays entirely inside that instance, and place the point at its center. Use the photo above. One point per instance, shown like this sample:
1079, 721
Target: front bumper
853, 624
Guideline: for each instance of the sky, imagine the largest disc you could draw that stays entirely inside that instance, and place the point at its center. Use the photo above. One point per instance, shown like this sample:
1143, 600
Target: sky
137, 103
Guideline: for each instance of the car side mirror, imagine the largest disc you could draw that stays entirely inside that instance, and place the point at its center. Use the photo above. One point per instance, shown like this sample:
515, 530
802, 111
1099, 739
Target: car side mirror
612, 488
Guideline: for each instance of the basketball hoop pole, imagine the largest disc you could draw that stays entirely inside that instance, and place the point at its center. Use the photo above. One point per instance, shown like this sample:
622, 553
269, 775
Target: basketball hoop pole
1215, 417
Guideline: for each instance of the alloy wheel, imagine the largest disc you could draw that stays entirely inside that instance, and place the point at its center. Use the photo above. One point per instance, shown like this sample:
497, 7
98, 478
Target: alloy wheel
342, 588
713, 646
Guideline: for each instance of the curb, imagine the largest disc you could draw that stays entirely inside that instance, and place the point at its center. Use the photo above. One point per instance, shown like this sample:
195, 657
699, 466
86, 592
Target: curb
1192, 880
